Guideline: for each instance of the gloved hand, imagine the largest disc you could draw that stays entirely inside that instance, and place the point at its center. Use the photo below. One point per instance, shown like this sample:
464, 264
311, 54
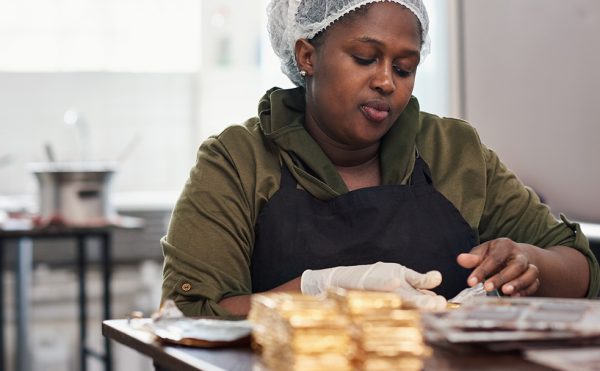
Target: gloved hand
413, 287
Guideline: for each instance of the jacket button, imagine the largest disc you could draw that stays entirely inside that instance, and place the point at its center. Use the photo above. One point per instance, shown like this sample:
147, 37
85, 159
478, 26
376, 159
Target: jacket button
186, 287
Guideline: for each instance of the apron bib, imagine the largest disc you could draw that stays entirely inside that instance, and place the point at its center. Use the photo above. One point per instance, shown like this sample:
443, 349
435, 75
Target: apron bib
413, 225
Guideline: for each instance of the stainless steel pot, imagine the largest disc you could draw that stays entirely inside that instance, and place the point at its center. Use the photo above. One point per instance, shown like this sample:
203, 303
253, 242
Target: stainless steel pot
75, 193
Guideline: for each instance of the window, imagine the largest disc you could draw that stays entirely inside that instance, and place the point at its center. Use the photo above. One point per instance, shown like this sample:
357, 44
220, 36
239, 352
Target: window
93, 35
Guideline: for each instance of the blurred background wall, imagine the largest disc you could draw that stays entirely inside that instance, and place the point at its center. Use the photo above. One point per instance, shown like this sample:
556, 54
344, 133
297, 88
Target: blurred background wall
150, 80
530, 86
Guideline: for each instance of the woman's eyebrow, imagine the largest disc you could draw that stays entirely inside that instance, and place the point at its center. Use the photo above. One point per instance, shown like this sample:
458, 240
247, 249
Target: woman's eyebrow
370, 40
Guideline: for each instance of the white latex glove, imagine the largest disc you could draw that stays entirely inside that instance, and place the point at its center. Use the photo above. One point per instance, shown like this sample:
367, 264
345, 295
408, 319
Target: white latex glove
413, 287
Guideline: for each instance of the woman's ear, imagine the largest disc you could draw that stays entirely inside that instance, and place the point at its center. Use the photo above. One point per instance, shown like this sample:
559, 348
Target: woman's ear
305, 56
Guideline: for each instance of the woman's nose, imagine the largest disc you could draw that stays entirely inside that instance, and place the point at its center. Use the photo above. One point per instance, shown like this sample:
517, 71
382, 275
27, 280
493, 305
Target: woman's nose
383, 80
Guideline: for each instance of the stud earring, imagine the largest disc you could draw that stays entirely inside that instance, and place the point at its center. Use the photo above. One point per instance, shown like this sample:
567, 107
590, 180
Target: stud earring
302, 73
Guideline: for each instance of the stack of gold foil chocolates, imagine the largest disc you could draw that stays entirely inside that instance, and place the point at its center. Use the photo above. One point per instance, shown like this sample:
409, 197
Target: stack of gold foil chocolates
343, 330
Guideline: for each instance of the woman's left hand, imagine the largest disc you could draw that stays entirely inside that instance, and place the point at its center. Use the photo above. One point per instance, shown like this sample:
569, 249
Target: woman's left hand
504, 265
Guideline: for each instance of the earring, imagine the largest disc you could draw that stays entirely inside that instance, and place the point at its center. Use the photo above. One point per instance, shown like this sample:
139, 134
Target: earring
302, 73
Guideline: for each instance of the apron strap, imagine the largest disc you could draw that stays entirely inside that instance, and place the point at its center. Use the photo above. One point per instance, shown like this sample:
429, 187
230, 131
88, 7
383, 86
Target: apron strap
287, 179
421, 174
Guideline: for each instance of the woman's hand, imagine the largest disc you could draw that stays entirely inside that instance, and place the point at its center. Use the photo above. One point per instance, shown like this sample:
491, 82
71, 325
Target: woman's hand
413, 287
504, 265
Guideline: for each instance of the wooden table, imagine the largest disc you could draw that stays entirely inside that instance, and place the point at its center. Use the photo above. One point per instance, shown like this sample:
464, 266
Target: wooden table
178, 358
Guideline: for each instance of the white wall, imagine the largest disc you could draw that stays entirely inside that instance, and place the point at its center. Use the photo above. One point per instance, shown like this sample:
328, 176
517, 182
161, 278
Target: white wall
171, 113
117, 108
532, 90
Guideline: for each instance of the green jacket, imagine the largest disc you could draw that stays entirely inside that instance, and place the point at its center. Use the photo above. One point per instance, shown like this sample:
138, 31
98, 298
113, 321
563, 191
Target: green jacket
209, 243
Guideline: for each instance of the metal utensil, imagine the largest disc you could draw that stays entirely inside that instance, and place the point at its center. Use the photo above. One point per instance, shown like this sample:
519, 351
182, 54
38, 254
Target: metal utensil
472, 292
76, 193
49, 152
129, 147
73, 118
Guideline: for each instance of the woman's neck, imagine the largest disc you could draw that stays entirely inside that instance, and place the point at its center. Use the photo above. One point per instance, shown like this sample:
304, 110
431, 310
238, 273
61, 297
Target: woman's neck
340, 154
364, 175
351, 157
357, 166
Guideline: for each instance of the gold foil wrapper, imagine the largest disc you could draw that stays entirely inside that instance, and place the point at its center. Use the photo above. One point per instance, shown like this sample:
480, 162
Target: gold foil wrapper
344, 330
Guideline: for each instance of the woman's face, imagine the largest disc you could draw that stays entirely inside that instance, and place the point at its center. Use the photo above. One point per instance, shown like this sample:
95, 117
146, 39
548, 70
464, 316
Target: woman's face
361, 74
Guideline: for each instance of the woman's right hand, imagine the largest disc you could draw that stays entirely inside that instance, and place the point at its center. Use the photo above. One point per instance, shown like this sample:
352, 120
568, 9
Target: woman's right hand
413, 287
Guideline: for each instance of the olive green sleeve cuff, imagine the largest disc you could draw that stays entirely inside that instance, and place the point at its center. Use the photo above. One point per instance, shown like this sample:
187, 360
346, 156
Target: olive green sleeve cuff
195, 298
582, 244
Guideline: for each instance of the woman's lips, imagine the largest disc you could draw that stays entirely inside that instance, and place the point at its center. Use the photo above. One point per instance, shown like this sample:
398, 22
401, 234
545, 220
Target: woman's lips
376, 110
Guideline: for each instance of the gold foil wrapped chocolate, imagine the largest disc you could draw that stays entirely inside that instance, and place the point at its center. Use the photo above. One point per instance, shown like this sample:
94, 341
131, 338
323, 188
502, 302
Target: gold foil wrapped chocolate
344, 330
297, 332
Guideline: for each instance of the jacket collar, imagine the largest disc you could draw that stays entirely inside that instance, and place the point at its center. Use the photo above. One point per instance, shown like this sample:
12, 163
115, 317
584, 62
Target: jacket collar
281, 113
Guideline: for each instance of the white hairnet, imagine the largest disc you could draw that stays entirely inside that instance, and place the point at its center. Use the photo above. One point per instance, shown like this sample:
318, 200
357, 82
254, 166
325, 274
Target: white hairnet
290, 20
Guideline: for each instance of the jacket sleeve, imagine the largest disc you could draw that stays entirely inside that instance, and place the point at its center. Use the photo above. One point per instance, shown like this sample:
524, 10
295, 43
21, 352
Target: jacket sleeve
513, 210
208, 245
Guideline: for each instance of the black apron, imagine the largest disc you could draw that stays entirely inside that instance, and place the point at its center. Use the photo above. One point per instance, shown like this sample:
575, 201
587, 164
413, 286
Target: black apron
413, 225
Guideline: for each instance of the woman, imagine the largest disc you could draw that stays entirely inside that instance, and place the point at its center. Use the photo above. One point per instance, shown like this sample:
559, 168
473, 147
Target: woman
342, 181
